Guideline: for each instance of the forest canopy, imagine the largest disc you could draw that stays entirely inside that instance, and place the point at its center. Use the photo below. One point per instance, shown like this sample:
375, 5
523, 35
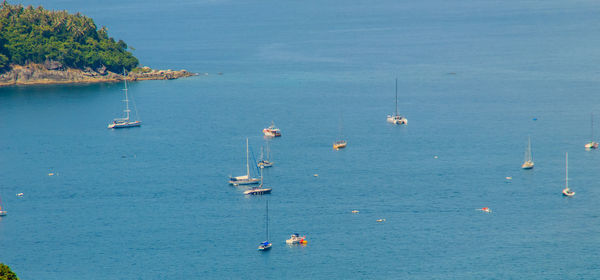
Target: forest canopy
36, 35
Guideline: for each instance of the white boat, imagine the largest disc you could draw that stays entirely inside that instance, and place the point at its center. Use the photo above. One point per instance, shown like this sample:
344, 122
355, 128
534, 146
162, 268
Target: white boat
272, 131
260, 189
566, 191
265, 162
397, 118
528, 162
2, 211
266, 245
244, 179
340, 144
592, 144
126, 121
296, 239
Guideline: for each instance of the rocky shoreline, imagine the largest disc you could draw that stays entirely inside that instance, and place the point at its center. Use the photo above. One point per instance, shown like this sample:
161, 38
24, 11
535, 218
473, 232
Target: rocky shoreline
53, 73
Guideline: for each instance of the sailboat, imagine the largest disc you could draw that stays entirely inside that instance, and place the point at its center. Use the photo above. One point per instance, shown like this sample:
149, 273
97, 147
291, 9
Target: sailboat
244, 179
2, 211
340, 144
265, 162
126, 121
260, 189
528, 162
566, 191
592, 144
396, 118
266, 245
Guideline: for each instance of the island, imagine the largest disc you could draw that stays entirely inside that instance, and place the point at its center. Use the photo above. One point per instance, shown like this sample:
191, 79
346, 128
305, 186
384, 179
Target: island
38, 46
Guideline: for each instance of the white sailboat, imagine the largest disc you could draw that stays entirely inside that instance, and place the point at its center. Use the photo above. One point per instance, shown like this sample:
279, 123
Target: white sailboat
265, 162
528, 162
396, 118
244, 179
592, 144
340, 144
566, 191
126, 121
266, 245
2, 211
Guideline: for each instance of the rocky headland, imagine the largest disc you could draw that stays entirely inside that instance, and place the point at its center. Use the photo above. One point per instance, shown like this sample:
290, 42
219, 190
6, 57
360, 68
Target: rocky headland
52, 72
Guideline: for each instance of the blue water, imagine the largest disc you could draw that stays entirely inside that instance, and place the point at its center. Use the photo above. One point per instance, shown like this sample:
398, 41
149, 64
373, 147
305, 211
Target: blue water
153, 202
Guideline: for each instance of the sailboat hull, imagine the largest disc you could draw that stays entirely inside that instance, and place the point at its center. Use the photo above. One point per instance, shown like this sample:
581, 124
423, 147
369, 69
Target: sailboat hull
527, 165
264, 247
339, 145
250, 181
3, 213
125, 124
397, 120
258, 191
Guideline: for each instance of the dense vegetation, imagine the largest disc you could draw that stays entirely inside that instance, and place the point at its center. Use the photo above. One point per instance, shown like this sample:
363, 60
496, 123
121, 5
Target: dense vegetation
6, 273
38, 35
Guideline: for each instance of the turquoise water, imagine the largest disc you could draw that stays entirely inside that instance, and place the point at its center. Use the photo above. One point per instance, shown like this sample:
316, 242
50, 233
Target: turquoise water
153, 202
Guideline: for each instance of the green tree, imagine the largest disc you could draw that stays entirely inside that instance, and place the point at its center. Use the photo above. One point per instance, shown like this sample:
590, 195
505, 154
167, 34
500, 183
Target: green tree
6, 273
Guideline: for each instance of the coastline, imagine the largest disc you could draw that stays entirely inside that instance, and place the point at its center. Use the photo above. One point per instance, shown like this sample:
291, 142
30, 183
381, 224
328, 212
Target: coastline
44, 74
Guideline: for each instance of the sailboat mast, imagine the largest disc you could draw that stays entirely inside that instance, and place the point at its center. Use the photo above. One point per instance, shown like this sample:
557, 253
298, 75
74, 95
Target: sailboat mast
267, 221
247, 163
567, 169
126, 97
529, 156
592, 128
396, 96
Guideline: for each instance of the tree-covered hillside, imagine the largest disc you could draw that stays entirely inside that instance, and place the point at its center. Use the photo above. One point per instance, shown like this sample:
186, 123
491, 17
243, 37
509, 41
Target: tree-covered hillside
36, 35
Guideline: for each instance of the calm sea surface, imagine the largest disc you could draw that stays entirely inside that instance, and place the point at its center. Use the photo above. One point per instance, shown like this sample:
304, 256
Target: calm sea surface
154, 203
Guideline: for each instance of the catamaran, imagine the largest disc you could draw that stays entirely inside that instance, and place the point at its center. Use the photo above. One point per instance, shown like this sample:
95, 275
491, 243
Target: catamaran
265, 162
592, 144
244, 179
396, 118
272, 131
126, 121
566, 191
266, 245
528, 163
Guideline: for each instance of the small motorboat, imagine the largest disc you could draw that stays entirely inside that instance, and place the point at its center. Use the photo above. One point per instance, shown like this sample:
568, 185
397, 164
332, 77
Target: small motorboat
296, 239
339, 144
20, 195
272, 131
591, 145
485, 209
381, 220
355, 211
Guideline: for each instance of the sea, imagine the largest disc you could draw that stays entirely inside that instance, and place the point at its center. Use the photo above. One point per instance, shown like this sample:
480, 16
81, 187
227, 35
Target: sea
475, 80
